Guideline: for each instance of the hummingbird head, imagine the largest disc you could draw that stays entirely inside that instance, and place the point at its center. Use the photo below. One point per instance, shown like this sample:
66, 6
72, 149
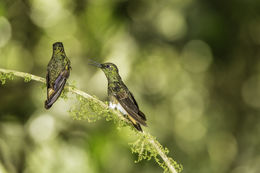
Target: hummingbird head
58, 48
110, 70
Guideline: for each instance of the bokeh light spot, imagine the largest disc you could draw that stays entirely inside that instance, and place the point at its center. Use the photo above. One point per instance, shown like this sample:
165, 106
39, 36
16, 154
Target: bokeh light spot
5, 31
58, 32
251, 91
222, 148
2, 169
188, 106
46, 13
42, 128
187, 128
254, 30
15, 57
196, 56
171, 24
188, 99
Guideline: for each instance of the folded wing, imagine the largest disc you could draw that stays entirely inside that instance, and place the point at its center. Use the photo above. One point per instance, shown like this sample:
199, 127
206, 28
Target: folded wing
129, 104
54, 90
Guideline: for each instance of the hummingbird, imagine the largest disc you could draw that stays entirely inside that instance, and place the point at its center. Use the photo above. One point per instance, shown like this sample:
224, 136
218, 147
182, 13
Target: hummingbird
58, 71
120, 97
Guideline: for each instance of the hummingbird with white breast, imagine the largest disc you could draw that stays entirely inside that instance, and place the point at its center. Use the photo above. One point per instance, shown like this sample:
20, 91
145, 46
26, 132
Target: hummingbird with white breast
120, 97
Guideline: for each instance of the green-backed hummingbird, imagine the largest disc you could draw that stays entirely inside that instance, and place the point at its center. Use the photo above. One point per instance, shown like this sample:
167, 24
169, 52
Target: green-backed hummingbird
58, 71
120, 97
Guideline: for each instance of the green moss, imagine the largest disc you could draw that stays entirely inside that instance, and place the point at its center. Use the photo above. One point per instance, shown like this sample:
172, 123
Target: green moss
72, 84
64, 93
146, 151
91, 110
6, 76
85, 109
27, 78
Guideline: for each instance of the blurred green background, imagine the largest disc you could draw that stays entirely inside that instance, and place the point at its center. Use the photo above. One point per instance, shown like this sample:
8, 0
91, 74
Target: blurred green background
193, 66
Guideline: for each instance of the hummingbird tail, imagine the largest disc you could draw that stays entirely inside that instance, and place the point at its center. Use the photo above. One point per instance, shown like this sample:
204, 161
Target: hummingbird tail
55, 94
141, 114
138, 127
47, 105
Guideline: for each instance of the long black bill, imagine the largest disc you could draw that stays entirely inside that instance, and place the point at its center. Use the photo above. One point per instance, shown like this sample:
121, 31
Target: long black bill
94, 63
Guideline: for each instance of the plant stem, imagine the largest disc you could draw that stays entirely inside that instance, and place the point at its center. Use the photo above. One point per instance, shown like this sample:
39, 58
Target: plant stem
163, 155
152, 141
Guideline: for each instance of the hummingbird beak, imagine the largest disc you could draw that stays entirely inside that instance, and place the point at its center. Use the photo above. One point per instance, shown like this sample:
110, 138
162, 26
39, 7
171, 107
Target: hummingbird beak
94, 63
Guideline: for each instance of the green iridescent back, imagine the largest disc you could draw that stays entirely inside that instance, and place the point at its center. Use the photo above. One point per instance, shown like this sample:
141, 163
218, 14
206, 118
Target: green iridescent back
57, 64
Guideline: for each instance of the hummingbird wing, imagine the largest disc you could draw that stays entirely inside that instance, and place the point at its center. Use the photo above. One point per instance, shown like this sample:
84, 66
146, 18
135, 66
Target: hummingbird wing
140, 113
54, 91
130, 106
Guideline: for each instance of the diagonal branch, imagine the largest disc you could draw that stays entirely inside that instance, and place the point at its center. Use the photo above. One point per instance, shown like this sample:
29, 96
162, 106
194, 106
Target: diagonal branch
171, 165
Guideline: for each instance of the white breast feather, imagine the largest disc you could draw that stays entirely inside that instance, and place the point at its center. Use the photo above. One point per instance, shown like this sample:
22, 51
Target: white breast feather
118, 107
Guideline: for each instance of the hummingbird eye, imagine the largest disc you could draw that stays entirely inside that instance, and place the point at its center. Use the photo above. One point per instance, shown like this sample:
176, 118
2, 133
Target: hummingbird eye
107, 66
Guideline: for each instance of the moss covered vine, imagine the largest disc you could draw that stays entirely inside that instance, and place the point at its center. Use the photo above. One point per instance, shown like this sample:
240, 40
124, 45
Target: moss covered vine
92, 109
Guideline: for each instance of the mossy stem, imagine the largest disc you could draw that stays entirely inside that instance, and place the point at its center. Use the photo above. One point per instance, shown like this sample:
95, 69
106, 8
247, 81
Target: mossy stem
162, 154
152, 141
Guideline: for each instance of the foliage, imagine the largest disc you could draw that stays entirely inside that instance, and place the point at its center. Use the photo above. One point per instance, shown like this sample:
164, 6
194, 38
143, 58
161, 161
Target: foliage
6, 76
27, 78
146, 151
